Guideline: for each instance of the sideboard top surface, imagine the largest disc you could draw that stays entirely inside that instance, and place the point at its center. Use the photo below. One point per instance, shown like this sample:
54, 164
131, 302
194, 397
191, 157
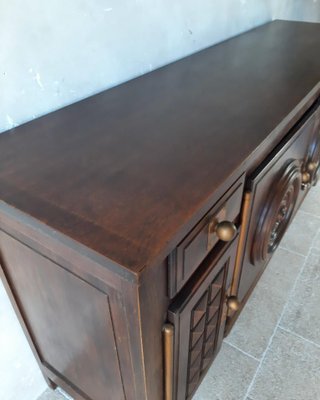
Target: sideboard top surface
123, 172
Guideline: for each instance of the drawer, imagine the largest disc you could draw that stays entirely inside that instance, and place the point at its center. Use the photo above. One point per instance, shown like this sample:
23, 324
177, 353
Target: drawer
219, 225
197, 317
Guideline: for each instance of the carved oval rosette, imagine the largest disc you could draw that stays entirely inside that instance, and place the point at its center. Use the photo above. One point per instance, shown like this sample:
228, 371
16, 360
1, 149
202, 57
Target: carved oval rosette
277, 213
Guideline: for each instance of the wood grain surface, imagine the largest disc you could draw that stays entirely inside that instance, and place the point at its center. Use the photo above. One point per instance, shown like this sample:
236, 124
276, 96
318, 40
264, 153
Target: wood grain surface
128, 172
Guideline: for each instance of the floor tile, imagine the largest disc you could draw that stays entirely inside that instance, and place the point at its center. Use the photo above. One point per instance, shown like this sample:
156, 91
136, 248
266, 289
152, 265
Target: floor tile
311, 203
256, 323
290, 371
51, 395
316, 242
301, 233
229, 376
20, 377
302, 314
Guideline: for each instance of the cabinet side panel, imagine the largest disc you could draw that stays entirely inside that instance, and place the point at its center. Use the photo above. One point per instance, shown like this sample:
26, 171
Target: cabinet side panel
69, 320
154, 306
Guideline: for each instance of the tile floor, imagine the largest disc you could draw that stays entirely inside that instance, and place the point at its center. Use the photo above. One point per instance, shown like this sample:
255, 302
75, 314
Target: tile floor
273, 351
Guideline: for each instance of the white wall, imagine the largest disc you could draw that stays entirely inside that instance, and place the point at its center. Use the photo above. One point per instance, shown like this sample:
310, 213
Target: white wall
55, 52
298, 10
20, 377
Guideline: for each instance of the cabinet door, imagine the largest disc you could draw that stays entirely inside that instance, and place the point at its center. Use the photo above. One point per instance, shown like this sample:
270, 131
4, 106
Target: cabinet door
312, 162
277, 189
198, 316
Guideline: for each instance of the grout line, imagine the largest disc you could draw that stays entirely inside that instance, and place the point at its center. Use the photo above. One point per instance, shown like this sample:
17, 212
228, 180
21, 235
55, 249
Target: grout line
292, 251
278, 323
314, 239
309, 213
261, 362
299, 336
315, 248
241, 351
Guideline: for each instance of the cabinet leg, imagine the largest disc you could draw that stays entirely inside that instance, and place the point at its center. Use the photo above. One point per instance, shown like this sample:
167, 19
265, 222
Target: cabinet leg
49, 382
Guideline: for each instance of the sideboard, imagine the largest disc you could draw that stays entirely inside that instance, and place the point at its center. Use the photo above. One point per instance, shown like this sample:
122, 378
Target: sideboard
134, 224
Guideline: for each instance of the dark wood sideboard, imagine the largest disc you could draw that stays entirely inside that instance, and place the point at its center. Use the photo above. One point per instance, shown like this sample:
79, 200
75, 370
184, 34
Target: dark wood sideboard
134, 224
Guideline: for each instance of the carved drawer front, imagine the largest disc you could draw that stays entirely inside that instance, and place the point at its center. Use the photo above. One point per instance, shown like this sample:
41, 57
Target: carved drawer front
276, 190
198, 316
219, 225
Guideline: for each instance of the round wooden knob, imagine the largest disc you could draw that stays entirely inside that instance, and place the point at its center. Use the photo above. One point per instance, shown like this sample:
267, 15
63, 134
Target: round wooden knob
226, 231
312, 166
233, 303
306, 177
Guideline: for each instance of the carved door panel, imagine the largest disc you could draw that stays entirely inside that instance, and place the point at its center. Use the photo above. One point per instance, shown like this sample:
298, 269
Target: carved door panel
311, 167
277, 188
277, 212
198, 316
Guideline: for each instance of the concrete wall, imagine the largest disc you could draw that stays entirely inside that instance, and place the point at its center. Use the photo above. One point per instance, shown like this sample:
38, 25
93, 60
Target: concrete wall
298, 10
54, 53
